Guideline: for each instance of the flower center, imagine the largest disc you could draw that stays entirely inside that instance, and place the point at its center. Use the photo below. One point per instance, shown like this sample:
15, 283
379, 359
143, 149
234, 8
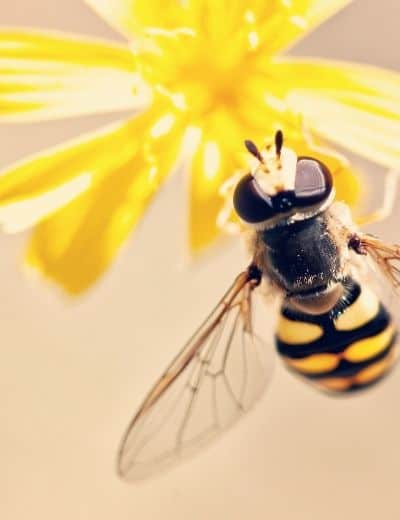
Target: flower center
197, 73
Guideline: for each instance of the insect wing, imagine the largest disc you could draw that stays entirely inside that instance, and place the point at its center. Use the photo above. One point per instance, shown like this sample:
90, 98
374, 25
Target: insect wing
218, 375
385, 256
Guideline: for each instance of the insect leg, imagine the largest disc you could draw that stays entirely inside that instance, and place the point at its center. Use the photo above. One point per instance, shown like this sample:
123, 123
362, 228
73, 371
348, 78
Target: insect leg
389, 197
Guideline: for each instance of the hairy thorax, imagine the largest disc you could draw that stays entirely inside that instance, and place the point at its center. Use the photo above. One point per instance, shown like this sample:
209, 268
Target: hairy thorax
305, 259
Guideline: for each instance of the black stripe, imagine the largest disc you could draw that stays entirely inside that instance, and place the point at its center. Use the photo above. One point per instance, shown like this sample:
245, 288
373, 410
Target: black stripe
351, 293
335, 341
348, 369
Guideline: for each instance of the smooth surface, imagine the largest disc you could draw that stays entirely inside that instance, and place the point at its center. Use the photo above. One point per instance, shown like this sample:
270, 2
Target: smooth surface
72, 374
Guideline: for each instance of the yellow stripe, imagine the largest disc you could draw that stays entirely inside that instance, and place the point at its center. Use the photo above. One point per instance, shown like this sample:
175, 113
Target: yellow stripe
297, 332
315, 363
375, 370
369, 347
363, 310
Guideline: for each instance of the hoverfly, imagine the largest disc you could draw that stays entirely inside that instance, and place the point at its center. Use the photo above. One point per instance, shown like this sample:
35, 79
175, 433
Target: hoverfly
332, 330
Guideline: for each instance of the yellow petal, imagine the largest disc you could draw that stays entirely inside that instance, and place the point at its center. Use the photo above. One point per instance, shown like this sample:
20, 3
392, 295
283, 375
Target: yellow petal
47, 75
77, 244
219, 154
355, 106
277, 23
288, 20
94, 154
134, 17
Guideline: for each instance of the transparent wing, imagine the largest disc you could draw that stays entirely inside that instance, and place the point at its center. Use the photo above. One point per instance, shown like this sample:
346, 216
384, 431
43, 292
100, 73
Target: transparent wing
385, 256
219, 374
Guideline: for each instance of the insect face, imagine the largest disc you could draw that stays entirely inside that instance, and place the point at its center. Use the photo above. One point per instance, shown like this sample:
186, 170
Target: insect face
280, 184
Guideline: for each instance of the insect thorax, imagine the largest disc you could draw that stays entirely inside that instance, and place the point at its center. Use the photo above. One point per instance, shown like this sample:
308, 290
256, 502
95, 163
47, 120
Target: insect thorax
301, 257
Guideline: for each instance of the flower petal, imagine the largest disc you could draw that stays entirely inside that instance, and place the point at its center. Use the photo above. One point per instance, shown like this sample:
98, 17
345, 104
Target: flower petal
95, 154
218, 156
280, 22
134, 17
355, 106
286, 21
78, 243
48, 75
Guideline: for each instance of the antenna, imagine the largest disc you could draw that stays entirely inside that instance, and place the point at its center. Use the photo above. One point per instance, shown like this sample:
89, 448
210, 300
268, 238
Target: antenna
252, 148
278, 142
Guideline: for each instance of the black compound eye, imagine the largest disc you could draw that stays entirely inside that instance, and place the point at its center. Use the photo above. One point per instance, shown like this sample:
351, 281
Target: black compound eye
250, 203
313, 182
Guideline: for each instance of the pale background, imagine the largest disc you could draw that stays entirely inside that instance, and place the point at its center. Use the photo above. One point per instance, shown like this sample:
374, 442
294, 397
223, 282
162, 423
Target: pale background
71, 374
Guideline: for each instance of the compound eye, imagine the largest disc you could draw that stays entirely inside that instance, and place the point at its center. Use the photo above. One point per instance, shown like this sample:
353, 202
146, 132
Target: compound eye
313, 182
250, 203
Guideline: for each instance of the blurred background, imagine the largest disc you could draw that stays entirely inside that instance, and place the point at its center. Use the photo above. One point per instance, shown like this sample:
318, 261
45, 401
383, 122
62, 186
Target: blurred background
73, 372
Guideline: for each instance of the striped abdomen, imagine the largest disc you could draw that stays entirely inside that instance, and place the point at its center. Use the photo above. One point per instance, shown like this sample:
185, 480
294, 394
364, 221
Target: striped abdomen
348, 348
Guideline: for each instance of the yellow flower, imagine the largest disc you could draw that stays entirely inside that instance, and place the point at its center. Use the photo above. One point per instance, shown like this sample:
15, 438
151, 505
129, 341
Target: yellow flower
199, 76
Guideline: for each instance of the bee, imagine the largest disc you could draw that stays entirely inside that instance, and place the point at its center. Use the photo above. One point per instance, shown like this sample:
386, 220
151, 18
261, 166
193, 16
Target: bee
332, 329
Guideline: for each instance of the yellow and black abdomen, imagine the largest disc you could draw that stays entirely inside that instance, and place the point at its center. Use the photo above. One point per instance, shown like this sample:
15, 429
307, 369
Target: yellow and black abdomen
346, 349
